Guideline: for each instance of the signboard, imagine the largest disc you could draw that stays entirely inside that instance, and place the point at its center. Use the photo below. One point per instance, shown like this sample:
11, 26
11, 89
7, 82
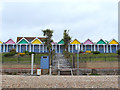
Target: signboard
38, 71
44, 64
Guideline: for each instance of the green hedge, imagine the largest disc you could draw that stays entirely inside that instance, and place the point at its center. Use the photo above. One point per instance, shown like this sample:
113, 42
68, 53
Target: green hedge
95, 52
118, 52
9, 54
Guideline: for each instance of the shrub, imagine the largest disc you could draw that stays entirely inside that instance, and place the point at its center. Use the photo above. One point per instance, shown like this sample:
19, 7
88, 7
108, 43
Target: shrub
9, 54
118, 52
12, 51
95, 52
66, 54
31, 53
80, 52
26, 52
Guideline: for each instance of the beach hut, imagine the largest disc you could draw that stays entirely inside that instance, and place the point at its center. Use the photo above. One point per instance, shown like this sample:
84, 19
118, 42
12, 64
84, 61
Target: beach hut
22, 45
88, 45
1, 46
60, 46
74, 46
113, 46
101, 46
37, 45
10, 44
54, 46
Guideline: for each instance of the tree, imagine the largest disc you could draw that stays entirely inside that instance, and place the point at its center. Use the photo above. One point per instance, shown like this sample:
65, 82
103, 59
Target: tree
66, 39
48, 33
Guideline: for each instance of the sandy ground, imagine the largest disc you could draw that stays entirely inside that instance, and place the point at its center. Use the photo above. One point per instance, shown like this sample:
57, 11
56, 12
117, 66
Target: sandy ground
19, 81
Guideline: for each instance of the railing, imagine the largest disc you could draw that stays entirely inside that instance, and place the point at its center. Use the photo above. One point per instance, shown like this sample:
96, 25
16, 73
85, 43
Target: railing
20, 60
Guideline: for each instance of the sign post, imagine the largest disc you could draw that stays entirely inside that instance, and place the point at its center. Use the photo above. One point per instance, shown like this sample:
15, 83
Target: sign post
32, 59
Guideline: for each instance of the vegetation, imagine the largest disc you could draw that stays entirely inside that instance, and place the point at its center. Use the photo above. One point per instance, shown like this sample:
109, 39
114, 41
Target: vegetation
25, 59
66, 39
48, 33
66, 54
118, 52
11, 53
95, 52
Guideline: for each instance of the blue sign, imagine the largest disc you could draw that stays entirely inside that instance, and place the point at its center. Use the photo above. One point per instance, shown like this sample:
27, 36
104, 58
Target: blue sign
44, 64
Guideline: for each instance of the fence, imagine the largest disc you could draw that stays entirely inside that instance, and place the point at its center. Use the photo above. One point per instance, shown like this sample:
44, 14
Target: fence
98, 61
20, 60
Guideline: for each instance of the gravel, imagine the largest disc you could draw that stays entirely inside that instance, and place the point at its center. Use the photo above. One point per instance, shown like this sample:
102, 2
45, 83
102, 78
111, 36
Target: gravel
20, 81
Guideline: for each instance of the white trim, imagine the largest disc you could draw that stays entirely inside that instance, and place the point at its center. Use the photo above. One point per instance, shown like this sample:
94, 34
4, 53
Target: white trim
7, 48
20, 47
21, 40
104, 48
37, 39
72, 48
43, 48
56, 48
107, 48
16, 48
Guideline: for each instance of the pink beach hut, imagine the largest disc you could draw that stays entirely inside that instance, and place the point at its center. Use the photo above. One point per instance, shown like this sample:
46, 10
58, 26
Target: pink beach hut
10, 44
88, 45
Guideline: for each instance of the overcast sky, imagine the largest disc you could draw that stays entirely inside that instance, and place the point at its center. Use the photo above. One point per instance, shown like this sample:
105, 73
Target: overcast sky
84, 19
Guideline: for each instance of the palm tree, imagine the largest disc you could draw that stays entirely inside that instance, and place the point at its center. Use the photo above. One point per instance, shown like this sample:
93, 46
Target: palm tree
66, 39
48, 33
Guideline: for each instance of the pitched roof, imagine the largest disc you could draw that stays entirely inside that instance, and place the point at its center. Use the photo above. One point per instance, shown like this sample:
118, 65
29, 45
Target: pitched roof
113, 41
61, 41
1, 42
101, 41
30, 39
75, 42
10, 41
88, 41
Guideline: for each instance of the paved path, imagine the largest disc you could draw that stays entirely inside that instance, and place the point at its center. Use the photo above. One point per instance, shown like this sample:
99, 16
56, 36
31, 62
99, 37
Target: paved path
60, 62
19, 81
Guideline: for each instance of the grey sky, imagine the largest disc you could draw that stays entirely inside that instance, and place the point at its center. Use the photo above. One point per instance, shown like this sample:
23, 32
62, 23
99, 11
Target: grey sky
94, 20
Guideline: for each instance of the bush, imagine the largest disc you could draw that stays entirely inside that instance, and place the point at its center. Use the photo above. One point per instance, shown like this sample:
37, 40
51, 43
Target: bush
31, 53
66, 54
118, 52
12, 51
26, 52
95, 52
80, 52
9, 54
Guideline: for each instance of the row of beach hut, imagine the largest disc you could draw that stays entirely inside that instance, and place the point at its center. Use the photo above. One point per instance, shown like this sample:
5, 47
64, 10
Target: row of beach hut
36, 44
